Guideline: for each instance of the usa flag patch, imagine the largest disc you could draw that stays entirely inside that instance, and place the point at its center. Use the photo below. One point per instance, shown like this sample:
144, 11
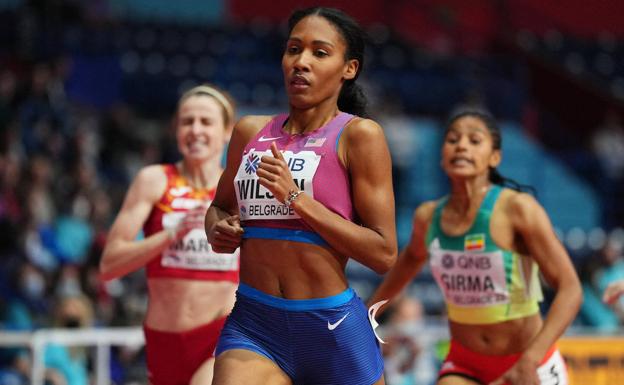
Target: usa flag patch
314, 142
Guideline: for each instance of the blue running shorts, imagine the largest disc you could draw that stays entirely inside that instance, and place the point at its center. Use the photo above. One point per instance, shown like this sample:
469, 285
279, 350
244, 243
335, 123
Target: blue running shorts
321, 341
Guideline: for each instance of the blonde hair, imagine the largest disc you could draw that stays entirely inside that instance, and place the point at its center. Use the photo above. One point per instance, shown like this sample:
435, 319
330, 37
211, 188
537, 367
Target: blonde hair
223, 98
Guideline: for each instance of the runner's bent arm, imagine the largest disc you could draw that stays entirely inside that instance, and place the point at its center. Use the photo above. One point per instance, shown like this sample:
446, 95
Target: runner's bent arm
411, 259
533, 224
221, 223
123, 253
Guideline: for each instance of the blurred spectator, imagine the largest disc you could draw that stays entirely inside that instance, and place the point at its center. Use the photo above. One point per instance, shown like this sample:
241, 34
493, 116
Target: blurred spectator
68, 284
407, 356
613, 296
600, 271
8, 99
39, 196
23, 308
613, 266
608, 149
608, 145
40, 213
71, 312
28, 307
10, 178
43, 121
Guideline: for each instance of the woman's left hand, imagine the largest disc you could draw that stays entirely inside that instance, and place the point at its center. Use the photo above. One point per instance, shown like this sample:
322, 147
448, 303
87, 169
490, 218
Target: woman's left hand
524, 372
273, 174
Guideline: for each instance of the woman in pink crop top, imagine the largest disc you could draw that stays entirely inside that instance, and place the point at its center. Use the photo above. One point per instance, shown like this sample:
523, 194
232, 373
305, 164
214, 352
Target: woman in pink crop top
322, 58
191, 287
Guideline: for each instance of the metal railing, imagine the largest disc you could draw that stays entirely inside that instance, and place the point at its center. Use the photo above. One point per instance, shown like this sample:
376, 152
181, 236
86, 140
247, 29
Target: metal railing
102, 339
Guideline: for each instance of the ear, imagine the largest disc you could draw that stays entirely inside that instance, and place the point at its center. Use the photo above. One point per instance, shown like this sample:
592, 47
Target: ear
495, 158
350, 69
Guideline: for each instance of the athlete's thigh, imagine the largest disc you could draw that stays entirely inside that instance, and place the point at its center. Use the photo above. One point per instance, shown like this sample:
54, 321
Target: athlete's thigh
203, 374
244, 367
456, 380
381, 381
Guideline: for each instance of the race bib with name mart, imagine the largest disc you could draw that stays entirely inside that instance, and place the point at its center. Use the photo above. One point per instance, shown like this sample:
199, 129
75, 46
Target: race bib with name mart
193, 252
257, 202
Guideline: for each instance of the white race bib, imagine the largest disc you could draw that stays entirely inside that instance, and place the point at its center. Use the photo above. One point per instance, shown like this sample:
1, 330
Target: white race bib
255, 201
193, 252
470, 279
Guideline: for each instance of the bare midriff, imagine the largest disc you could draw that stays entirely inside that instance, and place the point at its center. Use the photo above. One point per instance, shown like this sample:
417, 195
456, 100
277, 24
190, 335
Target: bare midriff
502, 338
292, 270
182, 304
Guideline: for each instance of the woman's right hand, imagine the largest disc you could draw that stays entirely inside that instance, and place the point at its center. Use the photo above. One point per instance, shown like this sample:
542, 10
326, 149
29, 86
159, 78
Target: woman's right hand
226, 235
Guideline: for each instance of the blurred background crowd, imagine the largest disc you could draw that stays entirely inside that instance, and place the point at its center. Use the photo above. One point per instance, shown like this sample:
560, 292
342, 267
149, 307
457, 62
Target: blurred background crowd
88, 88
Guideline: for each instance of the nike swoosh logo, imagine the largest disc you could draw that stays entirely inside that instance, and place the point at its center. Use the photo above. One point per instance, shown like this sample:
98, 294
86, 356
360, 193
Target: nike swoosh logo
263, 139
335, 325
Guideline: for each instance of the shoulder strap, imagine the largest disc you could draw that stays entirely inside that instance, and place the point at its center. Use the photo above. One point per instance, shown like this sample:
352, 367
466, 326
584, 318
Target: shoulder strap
491, 197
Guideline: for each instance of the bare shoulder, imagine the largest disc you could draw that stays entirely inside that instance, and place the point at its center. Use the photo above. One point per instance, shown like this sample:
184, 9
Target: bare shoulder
362, 129
420, 225
519, 203
522, 209
424, 213
149, 183
363, 139
151, 174
244, 131
248, 126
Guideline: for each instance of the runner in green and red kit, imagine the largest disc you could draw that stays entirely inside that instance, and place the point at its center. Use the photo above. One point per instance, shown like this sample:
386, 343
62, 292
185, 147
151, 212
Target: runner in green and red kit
486, 244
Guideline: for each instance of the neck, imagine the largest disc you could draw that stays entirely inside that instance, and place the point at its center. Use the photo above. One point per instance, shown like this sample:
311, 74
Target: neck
468, 193
301, 121
203, 175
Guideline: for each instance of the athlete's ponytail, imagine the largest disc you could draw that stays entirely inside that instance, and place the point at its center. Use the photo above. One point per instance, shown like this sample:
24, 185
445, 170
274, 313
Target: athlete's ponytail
352, 99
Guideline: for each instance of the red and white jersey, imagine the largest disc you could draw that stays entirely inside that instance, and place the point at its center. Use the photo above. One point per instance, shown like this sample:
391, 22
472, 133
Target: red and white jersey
191, 257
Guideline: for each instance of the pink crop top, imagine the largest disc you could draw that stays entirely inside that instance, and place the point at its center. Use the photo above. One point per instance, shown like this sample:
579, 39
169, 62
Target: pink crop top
316, 169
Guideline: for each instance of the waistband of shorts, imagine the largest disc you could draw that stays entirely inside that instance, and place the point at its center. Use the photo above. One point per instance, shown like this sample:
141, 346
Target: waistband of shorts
193, 332
296, 304
462, 350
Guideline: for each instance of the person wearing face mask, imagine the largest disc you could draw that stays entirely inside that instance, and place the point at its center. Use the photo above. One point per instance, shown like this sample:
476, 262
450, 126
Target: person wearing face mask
302, 192
486, 243
27, 310
191, 287
71, 312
